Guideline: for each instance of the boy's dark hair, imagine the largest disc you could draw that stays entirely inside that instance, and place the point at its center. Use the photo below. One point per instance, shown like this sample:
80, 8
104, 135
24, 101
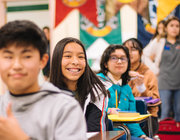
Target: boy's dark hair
105, 58
23, 33
86, 84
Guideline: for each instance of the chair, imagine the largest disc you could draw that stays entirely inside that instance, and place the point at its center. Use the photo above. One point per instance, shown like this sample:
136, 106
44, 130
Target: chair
141, 107
123, 127
110, 125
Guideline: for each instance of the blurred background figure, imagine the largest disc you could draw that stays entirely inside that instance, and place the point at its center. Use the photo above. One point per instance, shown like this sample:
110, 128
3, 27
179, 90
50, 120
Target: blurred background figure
159, 30
143, 82
169, 83
46, 70
156, 40
167, 66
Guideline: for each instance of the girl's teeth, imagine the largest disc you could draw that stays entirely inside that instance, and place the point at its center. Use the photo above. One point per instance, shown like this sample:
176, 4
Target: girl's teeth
74, 70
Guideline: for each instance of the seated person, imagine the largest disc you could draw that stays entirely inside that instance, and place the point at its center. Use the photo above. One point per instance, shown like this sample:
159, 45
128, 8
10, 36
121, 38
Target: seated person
70, 71
145, 83
115, 66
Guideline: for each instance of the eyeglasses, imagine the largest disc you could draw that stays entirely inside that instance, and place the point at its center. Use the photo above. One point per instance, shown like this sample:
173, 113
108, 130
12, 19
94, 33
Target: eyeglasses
116, 59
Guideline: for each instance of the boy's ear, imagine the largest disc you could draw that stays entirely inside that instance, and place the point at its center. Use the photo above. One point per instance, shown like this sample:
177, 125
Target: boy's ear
44, 60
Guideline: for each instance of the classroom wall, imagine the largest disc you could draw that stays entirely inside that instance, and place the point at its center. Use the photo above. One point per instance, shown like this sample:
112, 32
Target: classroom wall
36, 11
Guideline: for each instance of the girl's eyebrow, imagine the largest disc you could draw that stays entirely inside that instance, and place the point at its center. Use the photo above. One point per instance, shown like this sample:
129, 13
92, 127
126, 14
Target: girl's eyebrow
72, 52
67, 52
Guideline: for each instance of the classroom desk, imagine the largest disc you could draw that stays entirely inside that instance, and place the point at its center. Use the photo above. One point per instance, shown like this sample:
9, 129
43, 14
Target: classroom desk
119, 121
106, 135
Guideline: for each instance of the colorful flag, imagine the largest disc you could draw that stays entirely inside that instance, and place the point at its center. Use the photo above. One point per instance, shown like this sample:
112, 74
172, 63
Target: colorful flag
143, 35
165, 7
111, 32
85, 20
158, 10
86, 8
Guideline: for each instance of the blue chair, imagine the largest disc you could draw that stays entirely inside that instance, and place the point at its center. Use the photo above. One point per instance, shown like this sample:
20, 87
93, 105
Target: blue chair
141, 107
110, 125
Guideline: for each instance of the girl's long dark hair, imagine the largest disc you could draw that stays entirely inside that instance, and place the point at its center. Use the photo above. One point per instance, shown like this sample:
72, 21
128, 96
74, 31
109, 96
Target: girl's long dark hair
105, 58
88, 83
156, 32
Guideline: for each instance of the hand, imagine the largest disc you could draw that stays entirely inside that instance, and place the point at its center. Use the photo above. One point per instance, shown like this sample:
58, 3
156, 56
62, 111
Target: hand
145, 137
9, 127
136, 77
152, 57
113, 111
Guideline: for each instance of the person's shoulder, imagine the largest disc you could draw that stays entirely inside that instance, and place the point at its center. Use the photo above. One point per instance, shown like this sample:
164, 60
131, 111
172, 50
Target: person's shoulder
57, 94
143, 69
158, 39
147, 71
4, 98
101, 75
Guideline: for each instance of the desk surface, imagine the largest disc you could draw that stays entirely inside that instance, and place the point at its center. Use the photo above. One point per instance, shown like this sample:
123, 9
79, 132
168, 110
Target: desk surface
107, 135
116, 118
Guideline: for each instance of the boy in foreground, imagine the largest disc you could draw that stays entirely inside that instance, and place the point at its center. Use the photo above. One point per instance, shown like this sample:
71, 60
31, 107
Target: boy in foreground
28, 110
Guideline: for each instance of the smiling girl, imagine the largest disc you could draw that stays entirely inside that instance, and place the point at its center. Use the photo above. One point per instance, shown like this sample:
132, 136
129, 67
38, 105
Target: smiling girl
70, 71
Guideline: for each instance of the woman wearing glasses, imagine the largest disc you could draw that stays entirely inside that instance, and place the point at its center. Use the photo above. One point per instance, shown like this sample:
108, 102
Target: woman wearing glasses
115, 66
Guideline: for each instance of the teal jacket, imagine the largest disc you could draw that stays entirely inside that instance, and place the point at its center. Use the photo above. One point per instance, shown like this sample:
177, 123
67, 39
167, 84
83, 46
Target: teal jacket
126, 102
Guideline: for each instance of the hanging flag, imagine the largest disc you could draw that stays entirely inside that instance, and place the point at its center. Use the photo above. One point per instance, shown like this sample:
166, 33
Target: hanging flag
111, 32
99, 37
158, 10
177, 11
143, 35
165, 7
65, 18
108, 30
86, 8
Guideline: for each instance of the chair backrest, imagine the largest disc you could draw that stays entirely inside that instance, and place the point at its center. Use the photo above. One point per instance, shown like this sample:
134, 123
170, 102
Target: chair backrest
110, 125
141, 106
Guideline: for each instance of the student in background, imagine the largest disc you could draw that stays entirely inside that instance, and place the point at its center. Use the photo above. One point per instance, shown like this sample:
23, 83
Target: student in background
160, 32
70, 71
145, 83
46, 69
115, 66
167, 56
29, 110
156, 41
